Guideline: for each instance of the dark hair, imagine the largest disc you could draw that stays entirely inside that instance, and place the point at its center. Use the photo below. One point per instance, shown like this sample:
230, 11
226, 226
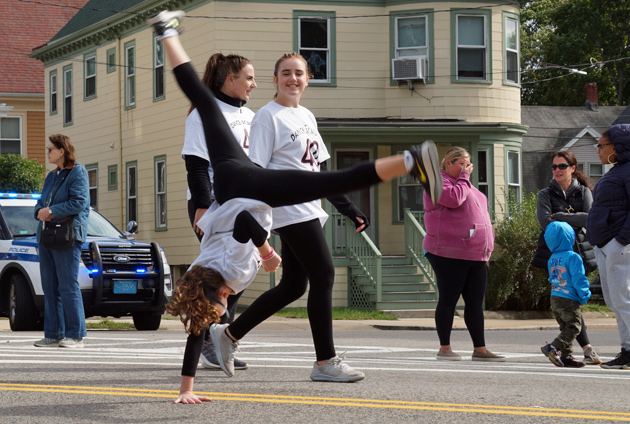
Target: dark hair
219, 67
572, 160
606, 134
189, 301
291, 55
61, 141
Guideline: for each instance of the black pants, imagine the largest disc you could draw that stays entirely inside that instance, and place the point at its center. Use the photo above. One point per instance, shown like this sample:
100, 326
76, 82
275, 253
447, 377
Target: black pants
305, 258
237, 176
457, 277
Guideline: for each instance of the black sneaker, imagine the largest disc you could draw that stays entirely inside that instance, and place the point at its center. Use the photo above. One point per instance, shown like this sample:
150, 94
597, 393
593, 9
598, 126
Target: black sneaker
209, 358
551, 352
426, 169
167, 19
620, 360
571, 362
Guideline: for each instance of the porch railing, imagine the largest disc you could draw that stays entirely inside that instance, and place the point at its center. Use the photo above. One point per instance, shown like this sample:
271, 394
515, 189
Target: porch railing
414, 236
363, 252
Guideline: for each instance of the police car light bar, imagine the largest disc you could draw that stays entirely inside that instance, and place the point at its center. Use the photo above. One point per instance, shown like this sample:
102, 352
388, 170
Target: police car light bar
20, 196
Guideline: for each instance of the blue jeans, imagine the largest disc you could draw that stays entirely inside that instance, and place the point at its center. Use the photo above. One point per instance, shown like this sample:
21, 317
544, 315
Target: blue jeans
63, 315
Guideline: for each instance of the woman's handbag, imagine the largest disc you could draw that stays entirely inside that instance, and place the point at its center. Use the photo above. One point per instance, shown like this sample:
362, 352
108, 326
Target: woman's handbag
58, 235
61, 234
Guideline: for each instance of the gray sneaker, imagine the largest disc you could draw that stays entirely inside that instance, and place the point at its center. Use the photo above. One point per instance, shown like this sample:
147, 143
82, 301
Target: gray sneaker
68, 342
591, 357
335, 370
47, 342
209, 358
224, 347
449, 355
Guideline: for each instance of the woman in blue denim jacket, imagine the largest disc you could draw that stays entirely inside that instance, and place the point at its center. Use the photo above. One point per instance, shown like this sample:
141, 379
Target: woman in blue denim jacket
68, 185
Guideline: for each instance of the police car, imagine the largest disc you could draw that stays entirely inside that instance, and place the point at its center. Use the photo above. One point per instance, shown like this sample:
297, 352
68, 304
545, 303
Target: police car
118, 276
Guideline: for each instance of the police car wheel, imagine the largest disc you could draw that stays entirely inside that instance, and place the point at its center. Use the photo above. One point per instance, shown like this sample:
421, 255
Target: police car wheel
23, 315
146, 321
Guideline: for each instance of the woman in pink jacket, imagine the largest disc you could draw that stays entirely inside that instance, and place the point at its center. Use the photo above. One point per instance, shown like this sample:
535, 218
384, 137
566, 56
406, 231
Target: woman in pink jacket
458, 243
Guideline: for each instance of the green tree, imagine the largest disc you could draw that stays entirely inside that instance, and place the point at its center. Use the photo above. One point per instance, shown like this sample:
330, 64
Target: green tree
20, 175
589, 35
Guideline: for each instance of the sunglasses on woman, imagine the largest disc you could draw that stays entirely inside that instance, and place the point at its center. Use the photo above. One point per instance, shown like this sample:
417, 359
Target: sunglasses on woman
562, 166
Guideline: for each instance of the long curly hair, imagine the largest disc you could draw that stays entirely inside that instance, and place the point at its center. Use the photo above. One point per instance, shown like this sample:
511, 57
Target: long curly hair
189, 301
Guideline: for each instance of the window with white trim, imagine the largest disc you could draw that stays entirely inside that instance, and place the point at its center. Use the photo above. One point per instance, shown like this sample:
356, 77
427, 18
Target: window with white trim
158, 68
10, 135
595, 172
89, 71
514, 175
160, 192
53, 92
67, 96
92, 171
512, 63
482, 169
412, 35
111, 60
132, 191
314, 45
472, 47
130, 75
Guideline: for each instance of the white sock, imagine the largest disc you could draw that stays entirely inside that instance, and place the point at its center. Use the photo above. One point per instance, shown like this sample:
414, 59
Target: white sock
170, 32
409, 160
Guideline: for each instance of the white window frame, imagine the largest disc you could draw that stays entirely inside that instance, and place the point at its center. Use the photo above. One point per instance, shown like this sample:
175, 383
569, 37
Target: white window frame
398, 49
93, 199
132, 197
3, 138
327, 49
130, 77
88, 77
67, 97
160, 194
483, 47
508, 51
514, 186
158, 68
53, 92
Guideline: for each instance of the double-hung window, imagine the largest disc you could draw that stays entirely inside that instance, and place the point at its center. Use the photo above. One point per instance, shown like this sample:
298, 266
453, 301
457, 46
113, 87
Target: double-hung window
130, 74
315, 40
92, 171
53, 92
472, 38
10, 135
132, 191
158, 69
412, 35
67, 95
511, 42
514, 175
89, 71
160, 192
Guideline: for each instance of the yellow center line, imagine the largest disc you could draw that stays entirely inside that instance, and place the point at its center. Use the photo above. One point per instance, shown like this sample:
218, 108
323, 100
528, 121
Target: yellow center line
306, 400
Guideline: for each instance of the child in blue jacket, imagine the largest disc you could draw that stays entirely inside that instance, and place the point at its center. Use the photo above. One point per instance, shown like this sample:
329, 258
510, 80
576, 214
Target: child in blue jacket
569, 290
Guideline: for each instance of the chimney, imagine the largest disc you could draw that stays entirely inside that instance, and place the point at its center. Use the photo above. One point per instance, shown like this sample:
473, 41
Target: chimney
591, 96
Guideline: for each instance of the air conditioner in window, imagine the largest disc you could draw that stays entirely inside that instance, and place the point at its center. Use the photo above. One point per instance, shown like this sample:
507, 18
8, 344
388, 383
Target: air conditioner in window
409, 68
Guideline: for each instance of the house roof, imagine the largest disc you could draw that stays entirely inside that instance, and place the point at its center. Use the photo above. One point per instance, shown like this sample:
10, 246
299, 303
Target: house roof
94, 12
30, 25
553, 127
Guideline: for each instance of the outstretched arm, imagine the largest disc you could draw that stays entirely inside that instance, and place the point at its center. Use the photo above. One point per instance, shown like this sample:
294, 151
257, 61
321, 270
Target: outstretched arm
345, 206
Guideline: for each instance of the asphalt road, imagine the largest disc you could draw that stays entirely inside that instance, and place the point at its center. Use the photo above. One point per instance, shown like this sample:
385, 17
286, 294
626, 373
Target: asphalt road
133, 377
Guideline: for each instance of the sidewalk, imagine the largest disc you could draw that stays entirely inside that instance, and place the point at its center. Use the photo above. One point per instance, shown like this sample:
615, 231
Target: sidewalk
494, 321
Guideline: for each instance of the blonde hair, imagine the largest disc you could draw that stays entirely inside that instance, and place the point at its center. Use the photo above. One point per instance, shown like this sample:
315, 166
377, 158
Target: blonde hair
189, 301
453, 154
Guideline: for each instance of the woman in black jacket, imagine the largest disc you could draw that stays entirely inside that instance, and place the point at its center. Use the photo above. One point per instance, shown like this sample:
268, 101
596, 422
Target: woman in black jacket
568, 198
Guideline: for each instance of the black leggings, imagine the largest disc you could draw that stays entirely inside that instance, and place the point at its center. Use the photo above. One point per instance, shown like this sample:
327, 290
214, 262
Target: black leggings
237, 176
305, 258
457, 277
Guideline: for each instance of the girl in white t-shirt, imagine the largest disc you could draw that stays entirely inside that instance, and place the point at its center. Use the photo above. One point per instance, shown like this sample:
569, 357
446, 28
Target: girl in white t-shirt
231, 79
240, 184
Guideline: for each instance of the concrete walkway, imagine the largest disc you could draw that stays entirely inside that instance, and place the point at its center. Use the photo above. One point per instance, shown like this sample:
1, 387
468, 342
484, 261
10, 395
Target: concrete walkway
494, 320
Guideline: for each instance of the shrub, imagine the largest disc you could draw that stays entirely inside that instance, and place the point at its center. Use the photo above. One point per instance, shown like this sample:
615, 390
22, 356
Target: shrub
513, 283
20, 175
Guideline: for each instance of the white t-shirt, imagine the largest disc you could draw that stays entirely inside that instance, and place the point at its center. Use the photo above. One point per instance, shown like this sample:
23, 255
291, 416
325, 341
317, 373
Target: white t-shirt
238, 263
238, 118
287, 138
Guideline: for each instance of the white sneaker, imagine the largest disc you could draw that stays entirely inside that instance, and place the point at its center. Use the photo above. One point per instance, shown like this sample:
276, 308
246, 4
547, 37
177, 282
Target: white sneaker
335, 370
68, 342
224, 347
47, 342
